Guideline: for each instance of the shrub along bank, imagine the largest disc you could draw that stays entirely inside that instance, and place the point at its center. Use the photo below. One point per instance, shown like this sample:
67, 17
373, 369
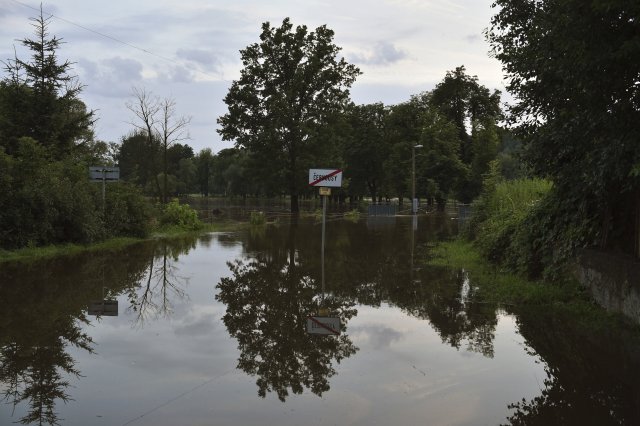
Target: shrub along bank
171, 220
52, 202
502, 223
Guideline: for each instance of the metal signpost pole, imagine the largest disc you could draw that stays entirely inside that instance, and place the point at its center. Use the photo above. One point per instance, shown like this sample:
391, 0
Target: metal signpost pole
324, 216
414, 204
413, 181
320, 322
104, 189
104, 174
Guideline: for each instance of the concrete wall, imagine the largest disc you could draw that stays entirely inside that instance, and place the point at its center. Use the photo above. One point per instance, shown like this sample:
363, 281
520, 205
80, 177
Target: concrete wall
613, 280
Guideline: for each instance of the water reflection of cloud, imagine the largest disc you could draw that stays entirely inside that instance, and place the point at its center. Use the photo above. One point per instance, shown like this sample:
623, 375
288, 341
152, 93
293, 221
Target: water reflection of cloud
377, 335
197, 325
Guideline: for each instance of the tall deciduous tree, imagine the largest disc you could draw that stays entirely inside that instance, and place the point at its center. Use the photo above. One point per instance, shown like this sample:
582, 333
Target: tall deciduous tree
465, 102
574, 67
292, 83
367, 148
158, 119
205, 170
403, 130
472, 108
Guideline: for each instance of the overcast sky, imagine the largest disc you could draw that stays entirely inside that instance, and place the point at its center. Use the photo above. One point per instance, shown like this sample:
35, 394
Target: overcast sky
189, 49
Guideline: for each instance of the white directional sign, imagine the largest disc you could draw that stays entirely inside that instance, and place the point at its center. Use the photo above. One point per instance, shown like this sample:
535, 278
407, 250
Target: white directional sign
323, 325
325, 177
100, 173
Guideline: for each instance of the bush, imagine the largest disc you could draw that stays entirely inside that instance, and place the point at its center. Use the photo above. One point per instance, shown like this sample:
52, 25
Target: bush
45, 202
353, 215
500, 223
257, 218
127, 212
181, 215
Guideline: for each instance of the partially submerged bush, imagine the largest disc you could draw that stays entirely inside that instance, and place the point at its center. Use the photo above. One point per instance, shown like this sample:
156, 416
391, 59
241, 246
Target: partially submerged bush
353, 215
257, 218
181, 215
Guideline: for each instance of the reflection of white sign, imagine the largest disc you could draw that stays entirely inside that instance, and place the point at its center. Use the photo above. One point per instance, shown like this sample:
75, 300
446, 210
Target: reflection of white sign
325, 177
108, 308
323, 325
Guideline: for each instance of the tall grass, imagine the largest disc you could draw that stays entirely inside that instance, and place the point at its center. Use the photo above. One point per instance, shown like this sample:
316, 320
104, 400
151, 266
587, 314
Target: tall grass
257, 218
497, 223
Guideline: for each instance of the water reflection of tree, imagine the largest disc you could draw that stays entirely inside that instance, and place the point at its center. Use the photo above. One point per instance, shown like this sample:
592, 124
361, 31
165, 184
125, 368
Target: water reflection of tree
372, 265
35, 373
43, 316
161, 286
376, 267
447, 300
593, 369
268, 299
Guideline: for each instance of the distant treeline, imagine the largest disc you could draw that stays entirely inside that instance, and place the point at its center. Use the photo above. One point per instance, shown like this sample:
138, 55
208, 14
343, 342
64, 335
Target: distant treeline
457, 125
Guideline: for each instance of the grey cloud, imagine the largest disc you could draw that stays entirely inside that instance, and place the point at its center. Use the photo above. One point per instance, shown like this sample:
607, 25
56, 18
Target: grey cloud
124, 69
205, 59
200, 56
380, 336
177, 74
112, 77
383, 53
201, 326
472, 38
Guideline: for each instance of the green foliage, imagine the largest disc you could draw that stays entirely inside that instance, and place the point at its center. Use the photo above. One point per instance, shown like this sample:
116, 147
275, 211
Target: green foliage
498, 219
505, 288
353, 215
45, 201
292, 85
461, 99
127, 212
439, 169
48, 202
257, 218
46, 144
366, 149
39, 98
181, 215
573, 65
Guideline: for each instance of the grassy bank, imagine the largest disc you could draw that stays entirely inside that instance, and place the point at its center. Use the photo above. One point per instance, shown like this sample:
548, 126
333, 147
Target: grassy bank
113, 244
492, 285
499, 286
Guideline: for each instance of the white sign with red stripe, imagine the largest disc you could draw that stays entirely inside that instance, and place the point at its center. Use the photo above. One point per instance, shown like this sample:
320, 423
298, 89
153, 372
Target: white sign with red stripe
325, 177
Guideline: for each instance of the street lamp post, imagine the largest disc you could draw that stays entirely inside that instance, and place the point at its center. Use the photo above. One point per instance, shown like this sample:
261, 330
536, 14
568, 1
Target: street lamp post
414, 204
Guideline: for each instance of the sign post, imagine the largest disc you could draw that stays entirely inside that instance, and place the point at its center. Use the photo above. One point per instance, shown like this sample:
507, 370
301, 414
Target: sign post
104, 174
324, 179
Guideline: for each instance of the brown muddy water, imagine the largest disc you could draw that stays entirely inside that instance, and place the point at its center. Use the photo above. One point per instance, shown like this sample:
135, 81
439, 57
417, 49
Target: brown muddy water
213, 331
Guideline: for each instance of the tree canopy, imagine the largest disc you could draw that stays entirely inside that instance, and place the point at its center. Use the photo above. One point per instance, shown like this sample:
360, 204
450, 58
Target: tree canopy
39, 99
292, 83
574, 67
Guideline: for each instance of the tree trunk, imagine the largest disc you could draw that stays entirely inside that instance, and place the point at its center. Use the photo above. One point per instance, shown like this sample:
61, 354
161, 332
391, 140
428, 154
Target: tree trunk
637, 233
164, 166
295, 208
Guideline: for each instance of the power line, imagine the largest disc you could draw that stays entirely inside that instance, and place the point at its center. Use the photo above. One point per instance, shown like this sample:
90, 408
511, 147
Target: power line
173, 61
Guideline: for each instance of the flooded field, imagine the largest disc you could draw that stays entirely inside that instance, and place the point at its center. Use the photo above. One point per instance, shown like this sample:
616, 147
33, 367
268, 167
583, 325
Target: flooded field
214, 331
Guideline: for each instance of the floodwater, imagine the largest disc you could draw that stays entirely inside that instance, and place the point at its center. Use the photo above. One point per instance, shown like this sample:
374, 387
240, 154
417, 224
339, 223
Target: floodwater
213, 331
